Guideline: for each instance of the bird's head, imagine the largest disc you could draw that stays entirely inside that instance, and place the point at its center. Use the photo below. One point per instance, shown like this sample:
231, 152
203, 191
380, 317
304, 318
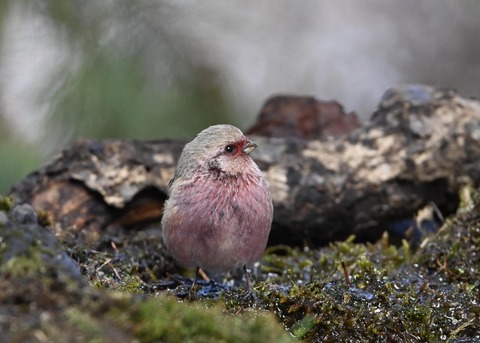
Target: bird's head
219, 149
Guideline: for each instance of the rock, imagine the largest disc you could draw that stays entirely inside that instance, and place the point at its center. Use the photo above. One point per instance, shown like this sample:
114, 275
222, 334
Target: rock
3, 218
303, 117
24, 214
23, 238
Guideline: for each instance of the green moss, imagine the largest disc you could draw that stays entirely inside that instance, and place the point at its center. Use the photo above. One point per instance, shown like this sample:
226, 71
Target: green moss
430, 294
44, 219
88, 328
6, 203
167, 320
468, 197
23, 265
129, 284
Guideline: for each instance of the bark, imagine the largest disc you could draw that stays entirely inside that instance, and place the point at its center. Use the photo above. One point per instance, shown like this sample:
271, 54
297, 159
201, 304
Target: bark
420, 146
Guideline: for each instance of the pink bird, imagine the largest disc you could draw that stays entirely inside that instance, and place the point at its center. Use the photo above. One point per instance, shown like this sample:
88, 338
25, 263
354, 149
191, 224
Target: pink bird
219, 211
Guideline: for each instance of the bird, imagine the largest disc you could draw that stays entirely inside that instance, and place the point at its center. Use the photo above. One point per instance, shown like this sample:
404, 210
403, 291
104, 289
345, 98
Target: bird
219, 211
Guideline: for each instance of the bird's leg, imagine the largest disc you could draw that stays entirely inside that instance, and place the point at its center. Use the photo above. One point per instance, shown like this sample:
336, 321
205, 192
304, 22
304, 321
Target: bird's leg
197, 273
193, 289
250, 294
248, 278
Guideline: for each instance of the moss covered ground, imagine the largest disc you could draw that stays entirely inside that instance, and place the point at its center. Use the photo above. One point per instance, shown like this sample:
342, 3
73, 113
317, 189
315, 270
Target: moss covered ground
417, 291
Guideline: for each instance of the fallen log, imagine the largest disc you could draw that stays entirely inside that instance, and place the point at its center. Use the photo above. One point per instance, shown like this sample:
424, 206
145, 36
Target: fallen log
420, 146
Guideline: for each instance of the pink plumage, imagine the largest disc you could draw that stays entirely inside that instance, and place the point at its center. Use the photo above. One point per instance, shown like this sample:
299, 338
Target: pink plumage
219, 212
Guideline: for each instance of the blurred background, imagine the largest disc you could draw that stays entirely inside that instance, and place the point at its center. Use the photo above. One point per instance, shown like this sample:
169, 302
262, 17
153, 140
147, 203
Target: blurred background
151, 69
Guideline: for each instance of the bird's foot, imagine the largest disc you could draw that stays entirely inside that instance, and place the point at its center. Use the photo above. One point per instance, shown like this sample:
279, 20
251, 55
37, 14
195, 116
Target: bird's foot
192, 293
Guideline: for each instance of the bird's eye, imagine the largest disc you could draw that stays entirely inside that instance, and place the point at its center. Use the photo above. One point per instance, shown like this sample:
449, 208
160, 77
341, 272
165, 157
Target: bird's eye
229, 149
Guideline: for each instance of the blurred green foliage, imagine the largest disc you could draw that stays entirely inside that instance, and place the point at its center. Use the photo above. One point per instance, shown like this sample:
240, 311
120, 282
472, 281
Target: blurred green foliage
111, 98
126, 86
17, 159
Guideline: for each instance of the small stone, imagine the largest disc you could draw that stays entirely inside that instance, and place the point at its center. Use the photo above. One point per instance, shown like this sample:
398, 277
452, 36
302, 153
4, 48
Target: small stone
24, 213
3, 218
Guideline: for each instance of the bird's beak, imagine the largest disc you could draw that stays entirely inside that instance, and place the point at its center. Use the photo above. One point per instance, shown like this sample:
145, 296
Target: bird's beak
249, 147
